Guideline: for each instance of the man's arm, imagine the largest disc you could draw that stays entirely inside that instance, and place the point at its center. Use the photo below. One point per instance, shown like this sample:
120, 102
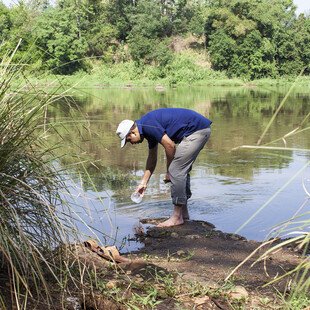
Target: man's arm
169, 147
149, 169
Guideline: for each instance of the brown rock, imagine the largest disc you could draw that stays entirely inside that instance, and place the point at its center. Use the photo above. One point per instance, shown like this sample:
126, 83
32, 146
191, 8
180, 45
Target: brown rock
238, 292
201, 300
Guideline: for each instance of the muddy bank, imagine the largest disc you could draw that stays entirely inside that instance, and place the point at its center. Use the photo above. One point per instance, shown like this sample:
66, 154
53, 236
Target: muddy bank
185, 267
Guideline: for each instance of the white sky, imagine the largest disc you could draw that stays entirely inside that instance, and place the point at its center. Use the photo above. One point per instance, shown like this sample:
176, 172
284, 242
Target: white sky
303, 6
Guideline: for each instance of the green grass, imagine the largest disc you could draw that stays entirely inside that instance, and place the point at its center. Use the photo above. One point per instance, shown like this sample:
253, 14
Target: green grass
186, 68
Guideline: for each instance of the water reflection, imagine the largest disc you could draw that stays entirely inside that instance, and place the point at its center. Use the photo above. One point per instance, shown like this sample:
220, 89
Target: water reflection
228, 186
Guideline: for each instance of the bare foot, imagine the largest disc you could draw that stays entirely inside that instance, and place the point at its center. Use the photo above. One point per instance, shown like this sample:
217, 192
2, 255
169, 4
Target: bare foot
172, 221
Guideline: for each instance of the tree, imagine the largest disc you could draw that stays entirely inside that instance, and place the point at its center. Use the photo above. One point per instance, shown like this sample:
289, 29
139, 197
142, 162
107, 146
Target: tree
59, 40
254, 39
149, 28
5, 22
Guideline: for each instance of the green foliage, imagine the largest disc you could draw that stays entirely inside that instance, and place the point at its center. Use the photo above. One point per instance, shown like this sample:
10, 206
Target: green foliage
221, 50
16, 26
59, 38
255, 40
298, 301
99, 41
5, 22
118, 12
148, 27
244, 38
184, 69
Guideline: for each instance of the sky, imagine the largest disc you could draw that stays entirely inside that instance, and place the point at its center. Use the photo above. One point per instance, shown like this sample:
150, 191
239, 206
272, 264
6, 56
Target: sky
303, 6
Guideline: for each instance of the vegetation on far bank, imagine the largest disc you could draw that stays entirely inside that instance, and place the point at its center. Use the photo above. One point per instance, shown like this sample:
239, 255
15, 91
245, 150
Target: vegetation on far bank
147, 41
104, 77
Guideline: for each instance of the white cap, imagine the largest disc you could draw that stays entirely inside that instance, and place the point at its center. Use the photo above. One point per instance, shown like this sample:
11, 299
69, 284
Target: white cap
123, 130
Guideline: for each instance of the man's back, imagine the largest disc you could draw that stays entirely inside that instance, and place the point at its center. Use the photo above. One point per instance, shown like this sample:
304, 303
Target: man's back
177, 123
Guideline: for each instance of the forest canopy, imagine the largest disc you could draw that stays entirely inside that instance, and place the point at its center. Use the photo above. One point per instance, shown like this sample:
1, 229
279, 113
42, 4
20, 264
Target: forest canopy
240, 38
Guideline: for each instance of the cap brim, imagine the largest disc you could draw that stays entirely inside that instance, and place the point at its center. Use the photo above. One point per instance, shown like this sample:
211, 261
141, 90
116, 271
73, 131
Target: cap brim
123, 142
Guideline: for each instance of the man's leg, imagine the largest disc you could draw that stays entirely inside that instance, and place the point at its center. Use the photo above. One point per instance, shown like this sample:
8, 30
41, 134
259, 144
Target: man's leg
186, 153
188, 195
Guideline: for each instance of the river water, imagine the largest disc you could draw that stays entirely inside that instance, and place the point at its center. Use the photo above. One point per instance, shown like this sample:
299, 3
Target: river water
248, 191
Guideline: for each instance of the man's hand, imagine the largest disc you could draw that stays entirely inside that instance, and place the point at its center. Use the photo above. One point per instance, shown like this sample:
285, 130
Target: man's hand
167, 178
141, 189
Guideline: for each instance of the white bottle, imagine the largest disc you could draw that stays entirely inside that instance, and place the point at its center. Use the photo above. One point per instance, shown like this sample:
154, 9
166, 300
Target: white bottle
136, 197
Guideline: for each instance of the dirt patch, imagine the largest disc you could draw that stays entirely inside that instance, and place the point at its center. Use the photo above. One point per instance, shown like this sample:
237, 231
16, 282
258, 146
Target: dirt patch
198, 253
182, 267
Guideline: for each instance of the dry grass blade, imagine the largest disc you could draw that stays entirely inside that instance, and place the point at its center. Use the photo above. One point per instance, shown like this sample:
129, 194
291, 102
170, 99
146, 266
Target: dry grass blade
273, 196
279, 108
270, 148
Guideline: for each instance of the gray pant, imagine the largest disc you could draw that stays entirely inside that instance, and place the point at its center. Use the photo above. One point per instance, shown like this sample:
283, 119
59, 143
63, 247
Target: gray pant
181, 165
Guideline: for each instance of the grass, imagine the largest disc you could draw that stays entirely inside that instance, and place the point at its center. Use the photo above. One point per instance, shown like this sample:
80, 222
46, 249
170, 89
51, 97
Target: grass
183, 71
34, 220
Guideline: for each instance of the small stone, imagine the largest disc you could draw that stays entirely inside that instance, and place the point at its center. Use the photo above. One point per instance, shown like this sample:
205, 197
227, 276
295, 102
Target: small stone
181, 253
162, 293
139, 280
111, 284
192, 237
235, 237
174, 235
72, 303
147, 241
238, 292
201, 300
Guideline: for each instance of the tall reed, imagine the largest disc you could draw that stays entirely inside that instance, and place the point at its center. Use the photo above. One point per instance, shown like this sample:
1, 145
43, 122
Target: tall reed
30, 229
295, 229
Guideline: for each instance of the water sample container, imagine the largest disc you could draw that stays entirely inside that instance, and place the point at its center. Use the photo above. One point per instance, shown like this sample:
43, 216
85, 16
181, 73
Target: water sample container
136, 197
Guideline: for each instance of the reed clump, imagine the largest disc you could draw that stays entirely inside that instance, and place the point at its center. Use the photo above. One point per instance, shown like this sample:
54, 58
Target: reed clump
30, 225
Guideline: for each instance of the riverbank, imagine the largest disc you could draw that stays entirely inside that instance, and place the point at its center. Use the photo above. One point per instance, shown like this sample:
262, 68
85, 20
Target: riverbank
185, 267
125, 76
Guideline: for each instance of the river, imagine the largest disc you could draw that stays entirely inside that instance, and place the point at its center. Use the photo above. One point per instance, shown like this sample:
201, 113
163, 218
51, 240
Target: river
249, 191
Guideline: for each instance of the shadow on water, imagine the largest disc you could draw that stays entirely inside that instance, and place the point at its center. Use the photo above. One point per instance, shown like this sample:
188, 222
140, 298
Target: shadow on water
228, 186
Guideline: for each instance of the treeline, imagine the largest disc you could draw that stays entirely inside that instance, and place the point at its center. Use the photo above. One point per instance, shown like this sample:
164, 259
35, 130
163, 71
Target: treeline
241, 38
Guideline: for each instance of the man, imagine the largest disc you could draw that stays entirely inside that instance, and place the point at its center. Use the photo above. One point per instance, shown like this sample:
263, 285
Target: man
182, 133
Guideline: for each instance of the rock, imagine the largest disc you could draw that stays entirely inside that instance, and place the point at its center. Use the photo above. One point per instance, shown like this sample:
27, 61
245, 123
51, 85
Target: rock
238, 292
174, 235
147, 241
181, 253
139, 230
139, 280
111, 284
73, 303
235, 237
201, 300
157, 233
192, 237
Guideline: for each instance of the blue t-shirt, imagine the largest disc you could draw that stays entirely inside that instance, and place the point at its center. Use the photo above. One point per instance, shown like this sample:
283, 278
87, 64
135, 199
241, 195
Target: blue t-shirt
177, 123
